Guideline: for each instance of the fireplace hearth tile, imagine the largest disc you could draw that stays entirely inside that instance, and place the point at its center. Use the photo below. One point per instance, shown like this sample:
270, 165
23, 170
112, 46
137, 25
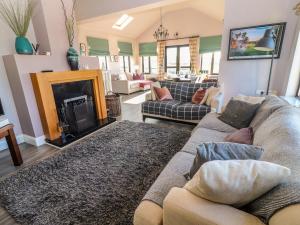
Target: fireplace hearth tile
60, 142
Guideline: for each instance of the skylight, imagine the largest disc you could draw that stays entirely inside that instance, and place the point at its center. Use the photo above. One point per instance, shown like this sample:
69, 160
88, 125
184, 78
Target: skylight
122, 22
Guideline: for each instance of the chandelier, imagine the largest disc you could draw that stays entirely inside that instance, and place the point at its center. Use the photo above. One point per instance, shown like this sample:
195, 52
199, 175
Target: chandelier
161, 33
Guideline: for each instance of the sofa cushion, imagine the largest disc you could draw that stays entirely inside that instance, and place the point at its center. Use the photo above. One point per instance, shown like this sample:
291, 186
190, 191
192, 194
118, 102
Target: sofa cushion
190, 111
171, 176
201, 135
270, 105
279, 137
163, 93
242, 136
161, 108
239, 114
236, 182
212, 122
222, 151
184, 92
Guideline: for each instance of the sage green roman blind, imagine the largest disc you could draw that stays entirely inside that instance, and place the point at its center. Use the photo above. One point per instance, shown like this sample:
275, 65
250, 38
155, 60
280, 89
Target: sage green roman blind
148, 49
125, 48
97, 46
210, 44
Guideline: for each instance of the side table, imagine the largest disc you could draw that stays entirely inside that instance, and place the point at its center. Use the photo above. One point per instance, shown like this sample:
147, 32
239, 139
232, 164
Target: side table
8, 132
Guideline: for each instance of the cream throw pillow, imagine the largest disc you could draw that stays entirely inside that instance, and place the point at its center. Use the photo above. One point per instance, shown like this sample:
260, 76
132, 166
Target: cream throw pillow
209, 95
236, 182
153, 94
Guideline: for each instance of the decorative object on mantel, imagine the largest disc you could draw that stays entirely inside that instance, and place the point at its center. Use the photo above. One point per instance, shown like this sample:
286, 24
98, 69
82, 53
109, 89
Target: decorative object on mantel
72, 54
297, 9
243, 41
83, 49
161, 33
17, 16
36, 48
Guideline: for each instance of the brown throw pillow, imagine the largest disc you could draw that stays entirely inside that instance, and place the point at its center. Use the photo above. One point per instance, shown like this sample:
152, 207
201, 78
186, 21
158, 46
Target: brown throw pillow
242, 136
163, 93
198, 96
239, 114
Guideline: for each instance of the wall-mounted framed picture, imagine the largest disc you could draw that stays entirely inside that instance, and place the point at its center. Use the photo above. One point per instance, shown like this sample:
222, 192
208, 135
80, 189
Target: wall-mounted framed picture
242, 41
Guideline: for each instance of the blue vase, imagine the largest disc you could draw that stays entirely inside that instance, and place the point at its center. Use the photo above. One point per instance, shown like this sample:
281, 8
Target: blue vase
23, 46
73, 59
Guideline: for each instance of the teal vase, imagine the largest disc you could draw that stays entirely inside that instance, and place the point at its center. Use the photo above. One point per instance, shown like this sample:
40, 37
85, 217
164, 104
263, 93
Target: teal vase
23, 46
73, 59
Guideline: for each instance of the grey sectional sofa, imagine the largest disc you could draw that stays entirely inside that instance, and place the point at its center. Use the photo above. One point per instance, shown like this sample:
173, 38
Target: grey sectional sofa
277, 130
181, 107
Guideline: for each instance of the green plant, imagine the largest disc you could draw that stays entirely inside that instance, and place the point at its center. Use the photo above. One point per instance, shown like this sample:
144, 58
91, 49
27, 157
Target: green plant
17, 15
70, 22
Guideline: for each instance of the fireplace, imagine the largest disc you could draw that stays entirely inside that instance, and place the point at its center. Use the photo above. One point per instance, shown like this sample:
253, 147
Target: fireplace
71, 104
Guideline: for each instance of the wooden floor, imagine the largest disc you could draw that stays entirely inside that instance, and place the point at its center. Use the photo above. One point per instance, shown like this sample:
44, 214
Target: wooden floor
32, 154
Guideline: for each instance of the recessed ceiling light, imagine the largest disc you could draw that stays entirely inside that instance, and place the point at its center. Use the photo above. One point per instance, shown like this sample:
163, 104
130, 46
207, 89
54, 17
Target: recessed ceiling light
122, 22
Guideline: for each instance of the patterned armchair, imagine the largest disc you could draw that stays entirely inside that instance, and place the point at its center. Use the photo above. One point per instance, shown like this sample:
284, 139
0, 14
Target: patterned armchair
181, 107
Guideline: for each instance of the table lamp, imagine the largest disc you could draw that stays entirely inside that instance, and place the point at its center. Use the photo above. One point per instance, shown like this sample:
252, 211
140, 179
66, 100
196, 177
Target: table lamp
267, 44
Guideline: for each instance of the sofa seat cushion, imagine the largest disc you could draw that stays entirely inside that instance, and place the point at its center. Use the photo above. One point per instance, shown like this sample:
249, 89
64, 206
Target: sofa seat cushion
212, 122
161, 108
201, 135
133, 84
171, 176
190, 111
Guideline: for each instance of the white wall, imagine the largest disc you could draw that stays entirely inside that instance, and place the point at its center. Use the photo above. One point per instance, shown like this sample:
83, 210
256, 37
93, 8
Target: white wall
247, 76
7, 46
187, 22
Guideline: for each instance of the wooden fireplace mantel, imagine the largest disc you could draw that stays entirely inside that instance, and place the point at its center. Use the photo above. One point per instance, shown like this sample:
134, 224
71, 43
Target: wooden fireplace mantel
42, 85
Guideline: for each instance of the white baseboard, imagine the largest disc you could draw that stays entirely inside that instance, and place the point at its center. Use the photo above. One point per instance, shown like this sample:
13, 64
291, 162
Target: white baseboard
3, 144
23, 138
35, 141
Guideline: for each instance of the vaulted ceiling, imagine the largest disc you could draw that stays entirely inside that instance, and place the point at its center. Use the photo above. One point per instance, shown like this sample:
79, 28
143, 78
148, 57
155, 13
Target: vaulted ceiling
145, 17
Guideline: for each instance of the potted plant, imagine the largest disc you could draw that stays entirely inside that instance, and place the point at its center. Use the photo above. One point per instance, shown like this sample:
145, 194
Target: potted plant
72, 54
18, 15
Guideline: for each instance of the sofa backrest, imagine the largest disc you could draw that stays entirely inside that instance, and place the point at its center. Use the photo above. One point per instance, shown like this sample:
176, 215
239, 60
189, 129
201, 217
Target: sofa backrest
279, 136
269, 106
183, 91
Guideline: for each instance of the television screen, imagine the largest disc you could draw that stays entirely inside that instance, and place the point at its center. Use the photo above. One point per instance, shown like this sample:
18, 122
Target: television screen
1, 109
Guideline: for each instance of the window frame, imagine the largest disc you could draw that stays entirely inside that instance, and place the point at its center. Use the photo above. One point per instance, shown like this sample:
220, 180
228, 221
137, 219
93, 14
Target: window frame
106, 61
177, 67
298, 90
129, 63
212, 63
149, 64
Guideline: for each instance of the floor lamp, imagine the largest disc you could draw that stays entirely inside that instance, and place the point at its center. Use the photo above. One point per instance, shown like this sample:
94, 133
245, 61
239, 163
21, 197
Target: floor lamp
267, 44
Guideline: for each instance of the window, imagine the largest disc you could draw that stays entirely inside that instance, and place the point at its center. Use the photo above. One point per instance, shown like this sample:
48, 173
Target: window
125, 63
178, 60
123, 22
210, 62
149, 64
103, 61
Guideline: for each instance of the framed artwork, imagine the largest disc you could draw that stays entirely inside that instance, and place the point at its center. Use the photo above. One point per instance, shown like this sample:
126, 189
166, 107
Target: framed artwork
242, 41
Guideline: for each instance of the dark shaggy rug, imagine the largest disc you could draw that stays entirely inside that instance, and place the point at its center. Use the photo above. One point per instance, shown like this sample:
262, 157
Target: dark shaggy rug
99, 180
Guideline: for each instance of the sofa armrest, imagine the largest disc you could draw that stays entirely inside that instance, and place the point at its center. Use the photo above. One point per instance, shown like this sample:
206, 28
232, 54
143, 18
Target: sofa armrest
148, 213
182, 207
120, 86
286, 216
